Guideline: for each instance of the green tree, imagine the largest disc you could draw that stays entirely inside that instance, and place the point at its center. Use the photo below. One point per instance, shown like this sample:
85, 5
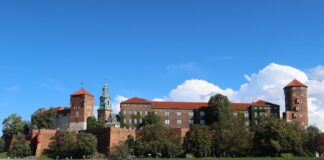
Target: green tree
86, 145
309, 138
44, 118
319, 143
20, 148
62, 145
273, 137
198, 141
120, 152
2, 144
230, 135
92, 123
155, 138
12, 125
220, 110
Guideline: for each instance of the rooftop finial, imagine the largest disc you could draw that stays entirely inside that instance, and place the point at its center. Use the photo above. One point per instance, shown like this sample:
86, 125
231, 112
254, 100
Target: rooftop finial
82, 83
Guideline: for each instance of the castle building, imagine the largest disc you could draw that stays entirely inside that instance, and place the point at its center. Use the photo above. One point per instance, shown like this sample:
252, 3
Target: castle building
296, 103
81, 107
185, 114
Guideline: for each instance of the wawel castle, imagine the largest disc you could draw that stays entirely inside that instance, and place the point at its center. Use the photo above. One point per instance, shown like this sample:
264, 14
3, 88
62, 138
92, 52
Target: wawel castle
178, 116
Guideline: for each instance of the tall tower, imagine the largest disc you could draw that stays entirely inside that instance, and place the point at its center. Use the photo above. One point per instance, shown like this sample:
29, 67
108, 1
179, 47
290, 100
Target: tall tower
104, 111
296, 103
81, 103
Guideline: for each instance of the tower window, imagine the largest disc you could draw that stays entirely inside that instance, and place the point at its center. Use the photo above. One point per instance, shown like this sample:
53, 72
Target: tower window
190, 114
167, 113
178, 113
167, 121
179, 122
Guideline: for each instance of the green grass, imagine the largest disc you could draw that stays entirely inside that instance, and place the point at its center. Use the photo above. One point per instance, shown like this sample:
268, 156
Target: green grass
247, 158
45, 157
3, 155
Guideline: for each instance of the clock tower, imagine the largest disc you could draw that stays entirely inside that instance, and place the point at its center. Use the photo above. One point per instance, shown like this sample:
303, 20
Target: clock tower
296, 103
105, 109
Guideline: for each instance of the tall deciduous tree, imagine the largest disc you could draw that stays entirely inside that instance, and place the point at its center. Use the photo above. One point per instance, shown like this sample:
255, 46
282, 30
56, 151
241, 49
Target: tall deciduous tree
230, 135
198, 141
62, 145
20, 148
12, 125
309, 138
44, 118
319, 143
86, 145
273, 137
2, 144
92, 123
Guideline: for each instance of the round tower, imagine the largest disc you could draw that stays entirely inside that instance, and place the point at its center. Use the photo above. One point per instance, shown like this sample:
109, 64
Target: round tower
296, 103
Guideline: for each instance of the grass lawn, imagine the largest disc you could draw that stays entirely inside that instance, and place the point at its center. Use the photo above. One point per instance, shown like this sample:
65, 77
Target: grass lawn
3, 155
210, 158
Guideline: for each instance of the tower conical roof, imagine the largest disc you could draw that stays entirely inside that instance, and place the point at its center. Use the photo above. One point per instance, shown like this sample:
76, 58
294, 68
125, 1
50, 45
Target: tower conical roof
81, 92
295, 83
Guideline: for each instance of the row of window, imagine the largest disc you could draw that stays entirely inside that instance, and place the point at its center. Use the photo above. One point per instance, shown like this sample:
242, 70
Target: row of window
167, 113
246, 114
167, 121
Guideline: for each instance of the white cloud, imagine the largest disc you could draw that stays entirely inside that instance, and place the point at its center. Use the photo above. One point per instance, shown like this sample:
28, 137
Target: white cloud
116, 103
267, 84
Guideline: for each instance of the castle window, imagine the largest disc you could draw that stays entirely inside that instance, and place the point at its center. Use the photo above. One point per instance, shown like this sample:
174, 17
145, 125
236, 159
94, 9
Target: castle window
135, 121
129, 112
141, 120
156, 113
167, 121
145, 112
179, 122
202, 113
77, 113
135, 112
140, 112
190, 114
125, 120
255, 114
247, 123
125, 112
246, 114
294, 94
235, 113
130, 120
202, 122
178, 113
191, 121
167, 113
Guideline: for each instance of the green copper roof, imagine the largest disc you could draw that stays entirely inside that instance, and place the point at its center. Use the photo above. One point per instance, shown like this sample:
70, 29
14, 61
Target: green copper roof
105, 102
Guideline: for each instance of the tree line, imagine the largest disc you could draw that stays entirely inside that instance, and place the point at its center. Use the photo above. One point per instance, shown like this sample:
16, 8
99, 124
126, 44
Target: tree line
224, 135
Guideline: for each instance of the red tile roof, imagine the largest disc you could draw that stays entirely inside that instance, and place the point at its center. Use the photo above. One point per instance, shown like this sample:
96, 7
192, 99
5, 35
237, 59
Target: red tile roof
241, 106
296, 83
136, 100
182, 105
82, 92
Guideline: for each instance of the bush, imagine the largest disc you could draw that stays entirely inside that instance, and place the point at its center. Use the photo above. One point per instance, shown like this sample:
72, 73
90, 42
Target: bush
119, 152
20, 148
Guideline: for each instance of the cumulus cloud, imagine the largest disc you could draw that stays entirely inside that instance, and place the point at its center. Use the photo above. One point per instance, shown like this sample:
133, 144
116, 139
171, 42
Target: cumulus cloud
116, 103
266, 84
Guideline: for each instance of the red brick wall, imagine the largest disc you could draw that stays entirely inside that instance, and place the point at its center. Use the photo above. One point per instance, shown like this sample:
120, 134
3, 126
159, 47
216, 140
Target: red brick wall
42, 139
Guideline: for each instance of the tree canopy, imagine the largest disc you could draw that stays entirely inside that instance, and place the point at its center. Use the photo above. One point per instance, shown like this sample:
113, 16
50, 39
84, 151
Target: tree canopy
198, 141
20, 148
319, 143
12, 125
44, 118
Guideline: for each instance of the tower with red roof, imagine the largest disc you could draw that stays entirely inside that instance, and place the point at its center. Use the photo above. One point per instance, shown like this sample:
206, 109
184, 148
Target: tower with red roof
81, 103
296, 103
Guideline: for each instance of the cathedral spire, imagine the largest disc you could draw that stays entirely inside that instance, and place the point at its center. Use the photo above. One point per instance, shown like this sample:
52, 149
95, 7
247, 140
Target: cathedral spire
105, 102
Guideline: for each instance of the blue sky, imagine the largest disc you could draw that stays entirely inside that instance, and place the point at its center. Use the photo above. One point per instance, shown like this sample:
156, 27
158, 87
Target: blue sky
146, 48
